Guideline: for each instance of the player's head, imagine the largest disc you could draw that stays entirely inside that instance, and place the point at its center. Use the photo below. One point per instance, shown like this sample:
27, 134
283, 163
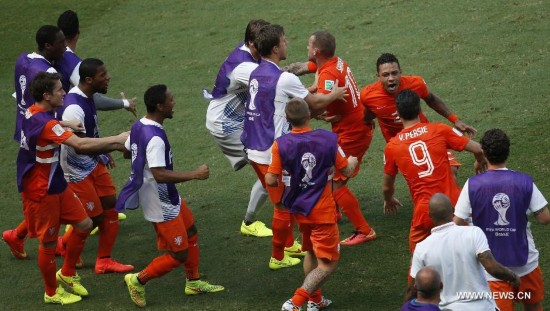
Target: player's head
51, 42
250, 34
297, 112
496, 146
69, 24
47, 87
271, 40
428, 283
408, 104
388, 71
321, 43
159, 100
441, 209
94, 75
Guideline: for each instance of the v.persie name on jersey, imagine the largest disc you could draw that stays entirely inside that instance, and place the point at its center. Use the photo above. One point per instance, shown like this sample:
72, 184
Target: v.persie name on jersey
414, 133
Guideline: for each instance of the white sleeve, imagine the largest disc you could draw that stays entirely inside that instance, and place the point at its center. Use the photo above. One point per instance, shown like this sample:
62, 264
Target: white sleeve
241, 73
155, 153
463, 208
51, 70
537, 200
480, 240
127, 144
291, 85
74, 112
416, 263
75, 75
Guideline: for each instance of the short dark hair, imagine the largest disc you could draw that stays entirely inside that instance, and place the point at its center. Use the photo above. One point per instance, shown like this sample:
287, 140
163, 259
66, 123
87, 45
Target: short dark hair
69, 24
296, 111
154, 95
325, 42
46, 34
44, 82
88, 68
496, 146
386, 58
268, 37
408, 104
253, 28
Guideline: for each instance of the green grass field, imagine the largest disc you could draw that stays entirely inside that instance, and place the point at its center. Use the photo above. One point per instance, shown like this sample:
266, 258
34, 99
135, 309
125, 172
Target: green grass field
488, 60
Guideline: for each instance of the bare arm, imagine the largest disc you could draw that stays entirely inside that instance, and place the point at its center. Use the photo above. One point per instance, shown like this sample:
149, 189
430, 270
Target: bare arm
391, 203
542, 216
271, 179
297, 68
85, 145
319, 102
497, 270
74, 125
411, 291
481, 162
459, 221
440, 107
162, 175
352, 164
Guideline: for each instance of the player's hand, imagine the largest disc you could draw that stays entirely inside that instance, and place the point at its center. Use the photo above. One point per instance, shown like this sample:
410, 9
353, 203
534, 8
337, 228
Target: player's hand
122, 137
202, 172
108, 160
133, 104
391, 207
339, 92
469, 130
516, 282
480, 167
332, 119
74, 125
353, 161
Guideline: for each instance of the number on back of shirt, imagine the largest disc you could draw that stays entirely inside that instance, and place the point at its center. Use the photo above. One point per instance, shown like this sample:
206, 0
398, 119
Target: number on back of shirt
421, 157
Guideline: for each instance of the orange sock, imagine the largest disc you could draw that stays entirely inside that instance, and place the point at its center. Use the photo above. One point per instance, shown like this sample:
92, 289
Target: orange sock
316, 296
281, 227
74, 247
66, 235
192, 262
46, 263
108, 231
157, 268
21, 230
300, 297
290, 234
349, 204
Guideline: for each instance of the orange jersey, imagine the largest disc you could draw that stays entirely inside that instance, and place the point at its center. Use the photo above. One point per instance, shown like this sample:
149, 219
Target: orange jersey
420, 154
382, 104
324, 210
35, 182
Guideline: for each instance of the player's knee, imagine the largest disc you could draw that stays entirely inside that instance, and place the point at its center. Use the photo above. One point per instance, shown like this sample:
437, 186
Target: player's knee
85, 225
180, 256
191, 231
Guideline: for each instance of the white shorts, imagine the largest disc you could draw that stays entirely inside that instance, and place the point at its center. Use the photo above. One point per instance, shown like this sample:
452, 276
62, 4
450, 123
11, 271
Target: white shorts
232, 148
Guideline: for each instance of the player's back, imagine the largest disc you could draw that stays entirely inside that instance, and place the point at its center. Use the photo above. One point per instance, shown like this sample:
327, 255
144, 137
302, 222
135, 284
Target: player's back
420, 153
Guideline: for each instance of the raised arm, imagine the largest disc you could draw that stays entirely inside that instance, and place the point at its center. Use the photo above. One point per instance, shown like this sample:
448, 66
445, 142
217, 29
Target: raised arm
85, 145
440, 107
481, 162
104, 103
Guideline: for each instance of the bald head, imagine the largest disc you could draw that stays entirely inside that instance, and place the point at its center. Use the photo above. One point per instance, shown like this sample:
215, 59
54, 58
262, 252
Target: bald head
428, 283
297, 112
441, 209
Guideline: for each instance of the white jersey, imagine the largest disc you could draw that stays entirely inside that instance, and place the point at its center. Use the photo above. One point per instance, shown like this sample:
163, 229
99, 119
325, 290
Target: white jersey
463, 209
288, 87
153, 197
225, 115
452, 250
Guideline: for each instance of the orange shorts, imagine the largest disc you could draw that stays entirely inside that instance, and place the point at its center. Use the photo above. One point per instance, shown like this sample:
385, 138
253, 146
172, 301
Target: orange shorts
452, 160
96, 185
322, 239
421, 225
45, 216
531, 290
356, 148
172, 234
274, 192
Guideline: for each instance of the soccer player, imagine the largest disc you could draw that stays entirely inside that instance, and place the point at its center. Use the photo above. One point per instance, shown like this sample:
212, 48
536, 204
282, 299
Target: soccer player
87, 176
459, 254
225, 118
346, 118
419, 152
428, 286
306, 160
47, 201
499, 202
152, 185
270, 89
51, 45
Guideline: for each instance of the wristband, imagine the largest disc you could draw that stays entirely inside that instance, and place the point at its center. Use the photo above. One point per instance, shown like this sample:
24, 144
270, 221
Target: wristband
127, 103
453, 118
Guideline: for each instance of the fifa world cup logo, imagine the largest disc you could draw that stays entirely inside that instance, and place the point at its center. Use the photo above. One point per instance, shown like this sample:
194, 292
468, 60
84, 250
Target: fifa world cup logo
308, 163
501, 203
253, 90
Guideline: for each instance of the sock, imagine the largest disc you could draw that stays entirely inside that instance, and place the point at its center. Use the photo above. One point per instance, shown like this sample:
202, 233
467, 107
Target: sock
192, 262
73, 249
281, 227
316, 296
157, 268
21, 230
290, 234
300, 297
258, 196
349, 204
108, 231
66, 235
46, 263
